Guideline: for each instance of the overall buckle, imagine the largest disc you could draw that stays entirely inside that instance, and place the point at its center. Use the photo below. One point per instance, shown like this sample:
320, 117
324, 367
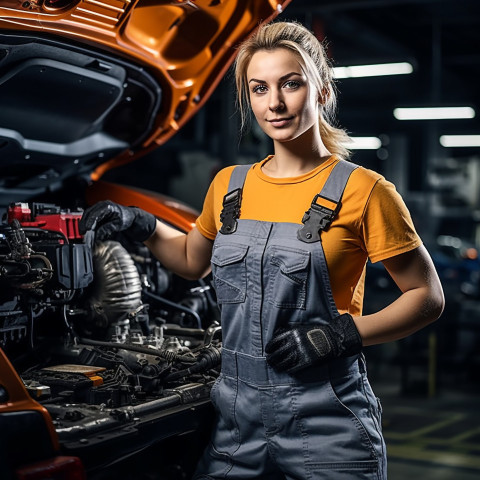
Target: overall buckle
315, 220
230, 211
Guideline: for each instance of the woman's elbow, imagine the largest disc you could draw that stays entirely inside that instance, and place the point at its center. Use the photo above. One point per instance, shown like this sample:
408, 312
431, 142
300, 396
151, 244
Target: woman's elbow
194, 274
436, 302
440, 303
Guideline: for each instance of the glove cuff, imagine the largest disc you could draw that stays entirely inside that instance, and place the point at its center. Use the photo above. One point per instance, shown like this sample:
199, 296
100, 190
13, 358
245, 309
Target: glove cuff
143, 225
349, 340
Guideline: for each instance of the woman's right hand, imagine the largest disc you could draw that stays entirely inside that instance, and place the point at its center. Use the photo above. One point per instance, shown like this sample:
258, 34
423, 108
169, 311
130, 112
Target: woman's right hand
186, 255
107, 218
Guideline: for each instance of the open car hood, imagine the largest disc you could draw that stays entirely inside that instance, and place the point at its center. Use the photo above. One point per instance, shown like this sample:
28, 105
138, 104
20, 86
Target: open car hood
86, 85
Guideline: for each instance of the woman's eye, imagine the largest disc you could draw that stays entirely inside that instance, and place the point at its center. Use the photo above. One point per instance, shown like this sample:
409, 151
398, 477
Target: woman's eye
259, 89
292, 84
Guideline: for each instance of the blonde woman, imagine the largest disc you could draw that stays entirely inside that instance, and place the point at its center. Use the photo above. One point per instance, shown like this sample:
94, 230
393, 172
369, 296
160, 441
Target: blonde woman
288, 239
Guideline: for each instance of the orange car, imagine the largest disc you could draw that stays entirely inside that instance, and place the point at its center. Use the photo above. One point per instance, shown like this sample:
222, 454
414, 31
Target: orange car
106, 358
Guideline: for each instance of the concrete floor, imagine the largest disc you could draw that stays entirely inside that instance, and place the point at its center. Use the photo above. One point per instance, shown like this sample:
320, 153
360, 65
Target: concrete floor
402, 470
431, 437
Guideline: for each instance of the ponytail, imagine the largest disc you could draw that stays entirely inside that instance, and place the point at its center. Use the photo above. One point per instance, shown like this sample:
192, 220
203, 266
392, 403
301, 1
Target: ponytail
335, 139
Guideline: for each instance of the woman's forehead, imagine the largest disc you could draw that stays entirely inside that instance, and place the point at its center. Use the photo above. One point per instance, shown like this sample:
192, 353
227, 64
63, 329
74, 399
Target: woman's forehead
274, 62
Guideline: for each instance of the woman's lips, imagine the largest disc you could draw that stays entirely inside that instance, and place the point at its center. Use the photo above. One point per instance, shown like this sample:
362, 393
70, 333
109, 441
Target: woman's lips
280, 122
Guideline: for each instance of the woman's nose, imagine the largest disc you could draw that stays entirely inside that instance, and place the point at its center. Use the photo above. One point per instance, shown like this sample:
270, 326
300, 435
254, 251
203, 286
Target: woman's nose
276, 102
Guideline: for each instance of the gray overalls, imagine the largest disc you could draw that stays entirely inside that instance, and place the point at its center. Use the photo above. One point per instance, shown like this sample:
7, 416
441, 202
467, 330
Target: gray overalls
324, 422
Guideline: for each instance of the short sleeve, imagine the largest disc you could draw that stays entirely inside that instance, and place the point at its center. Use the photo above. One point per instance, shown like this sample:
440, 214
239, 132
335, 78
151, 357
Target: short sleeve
208, 222
387, 225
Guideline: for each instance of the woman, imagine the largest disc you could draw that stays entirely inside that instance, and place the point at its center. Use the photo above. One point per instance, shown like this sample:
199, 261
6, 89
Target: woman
293, 399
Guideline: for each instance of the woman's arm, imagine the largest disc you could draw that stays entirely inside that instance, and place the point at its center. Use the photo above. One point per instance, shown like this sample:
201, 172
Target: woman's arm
420, 303
295, 348
186, 255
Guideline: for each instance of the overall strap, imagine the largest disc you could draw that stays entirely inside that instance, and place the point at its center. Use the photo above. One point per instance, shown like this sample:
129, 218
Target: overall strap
233, 199
318, 217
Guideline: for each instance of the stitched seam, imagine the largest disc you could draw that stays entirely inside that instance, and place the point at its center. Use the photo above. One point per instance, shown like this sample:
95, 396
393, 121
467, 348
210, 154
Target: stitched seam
355, 420
301, 431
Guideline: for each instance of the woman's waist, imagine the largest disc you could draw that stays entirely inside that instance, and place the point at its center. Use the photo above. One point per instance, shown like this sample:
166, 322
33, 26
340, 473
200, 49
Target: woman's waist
256, 371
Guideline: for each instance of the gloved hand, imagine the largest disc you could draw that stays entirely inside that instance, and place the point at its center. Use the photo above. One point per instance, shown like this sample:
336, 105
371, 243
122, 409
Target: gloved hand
107, 218
293, 349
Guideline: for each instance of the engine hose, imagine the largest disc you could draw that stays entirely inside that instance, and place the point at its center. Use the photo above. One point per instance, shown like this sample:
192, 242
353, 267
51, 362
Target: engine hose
208, 359
166, 355
117, 289
176, 305
173, 329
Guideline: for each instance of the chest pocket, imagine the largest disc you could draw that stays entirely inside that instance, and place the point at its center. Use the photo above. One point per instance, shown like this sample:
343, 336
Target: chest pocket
230, 273
288, 277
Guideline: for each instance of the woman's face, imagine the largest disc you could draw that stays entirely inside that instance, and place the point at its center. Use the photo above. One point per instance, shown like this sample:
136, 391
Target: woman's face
282, 98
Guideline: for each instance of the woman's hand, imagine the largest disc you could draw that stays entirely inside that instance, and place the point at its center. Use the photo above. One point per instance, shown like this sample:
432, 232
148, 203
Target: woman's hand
186, 255
293, 349
107, 218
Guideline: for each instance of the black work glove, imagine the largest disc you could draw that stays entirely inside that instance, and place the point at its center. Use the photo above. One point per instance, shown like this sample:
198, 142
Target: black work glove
296, 348
107, 218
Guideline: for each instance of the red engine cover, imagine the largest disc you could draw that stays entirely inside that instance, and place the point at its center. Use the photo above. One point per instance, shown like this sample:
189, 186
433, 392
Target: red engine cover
62, 222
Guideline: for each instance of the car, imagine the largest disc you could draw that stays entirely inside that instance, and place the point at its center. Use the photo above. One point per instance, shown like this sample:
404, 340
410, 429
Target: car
106, 357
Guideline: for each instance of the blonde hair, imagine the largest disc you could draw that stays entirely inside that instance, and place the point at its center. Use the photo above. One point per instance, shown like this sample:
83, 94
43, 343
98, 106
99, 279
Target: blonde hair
298, 39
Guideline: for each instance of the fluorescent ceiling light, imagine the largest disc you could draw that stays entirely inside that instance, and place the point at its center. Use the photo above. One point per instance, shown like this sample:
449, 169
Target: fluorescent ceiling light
460, 140
364, 143
377, 70
433, 113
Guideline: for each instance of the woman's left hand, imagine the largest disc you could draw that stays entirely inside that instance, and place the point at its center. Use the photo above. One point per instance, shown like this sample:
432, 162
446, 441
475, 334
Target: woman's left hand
296, 348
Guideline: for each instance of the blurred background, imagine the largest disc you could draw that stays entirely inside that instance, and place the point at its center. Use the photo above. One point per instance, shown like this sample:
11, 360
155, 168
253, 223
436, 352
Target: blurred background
407, 76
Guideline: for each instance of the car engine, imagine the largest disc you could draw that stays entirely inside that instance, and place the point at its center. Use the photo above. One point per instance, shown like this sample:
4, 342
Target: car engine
121, 352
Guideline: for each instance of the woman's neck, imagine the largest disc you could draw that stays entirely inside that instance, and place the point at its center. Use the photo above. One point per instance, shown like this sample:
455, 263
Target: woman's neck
295, 158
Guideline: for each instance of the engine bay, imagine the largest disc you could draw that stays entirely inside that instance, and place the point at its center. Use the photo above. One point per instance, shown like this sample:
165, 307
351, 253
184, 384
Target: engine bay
115, 346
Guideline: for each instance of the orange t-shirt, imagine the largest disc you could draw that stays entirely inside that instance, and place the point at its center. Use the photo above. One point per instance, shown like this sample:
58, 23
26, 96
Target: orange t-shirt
373, 221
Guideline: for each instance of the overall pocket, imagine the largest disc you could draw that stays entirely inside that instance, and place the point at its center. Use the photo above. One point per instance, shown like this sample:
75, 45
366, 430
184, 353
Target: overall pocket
288, 277
230, 273
349, 394
335, 443
226, 434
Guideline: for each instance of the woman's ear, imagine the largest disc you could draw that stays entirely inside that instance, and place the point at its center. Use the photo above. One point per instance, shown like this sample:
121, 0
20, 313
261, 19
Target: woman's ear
324, 96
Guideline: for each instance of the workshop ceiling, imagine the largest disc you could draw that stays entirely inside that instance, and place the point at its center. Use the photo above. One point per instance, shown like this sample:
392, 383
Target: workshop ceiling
440, 38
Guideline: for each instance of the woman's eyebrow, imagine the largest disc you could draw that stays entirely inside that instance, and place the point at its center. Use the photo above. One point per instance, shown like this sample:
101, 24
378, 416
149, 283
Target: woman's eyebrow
283, 77
288, 75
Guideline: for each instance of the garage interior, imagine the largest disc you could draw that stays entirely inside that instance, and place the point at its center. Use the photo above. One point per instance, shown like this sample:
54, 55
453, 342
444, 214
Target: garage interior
429, 383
